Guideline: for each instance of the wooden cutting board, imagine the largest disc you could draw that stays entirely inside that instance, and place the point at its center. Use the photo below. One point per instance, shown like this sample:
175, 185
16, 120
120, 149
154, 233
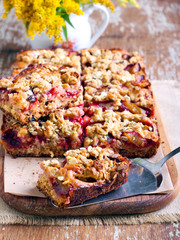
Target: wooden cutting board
130, 205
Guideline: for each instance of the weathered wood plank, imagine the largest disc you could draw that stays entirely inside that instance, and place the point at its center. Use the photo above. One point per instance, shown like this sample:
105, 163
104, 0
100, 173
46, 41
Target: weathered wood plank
131, 232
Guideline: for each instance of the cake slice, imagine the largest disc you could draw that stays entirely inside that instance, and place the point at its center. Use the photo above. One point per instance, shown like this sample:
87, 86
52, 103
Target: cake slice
57, 56
116, 80
85, 173
39, 90
135, 99
99, 77
50, 135
132, 135
114, 60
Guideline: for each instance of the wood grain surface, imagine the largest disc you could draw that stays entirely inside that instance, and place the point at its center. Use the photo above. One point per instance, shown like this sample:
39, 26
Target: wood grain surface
123, 232
130, 205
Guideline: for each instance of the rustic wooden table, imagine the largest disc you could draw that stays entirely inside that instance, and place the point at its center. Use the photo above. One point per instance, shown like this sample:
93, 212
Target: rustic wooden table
154, 32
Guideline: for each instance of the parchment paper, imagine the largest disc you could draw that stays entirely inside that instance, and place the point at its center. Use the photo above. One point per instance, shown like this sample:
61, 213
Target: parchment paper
21, 174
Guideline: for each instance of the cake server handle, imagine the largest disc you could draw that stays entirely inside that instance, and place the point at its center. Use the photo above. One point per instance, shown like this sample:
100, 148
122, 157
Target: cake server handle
156, 167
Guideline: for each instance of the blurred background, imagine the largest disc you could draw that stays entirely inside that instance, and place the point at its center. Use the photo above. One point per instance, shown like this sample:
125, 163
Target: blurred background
153, 30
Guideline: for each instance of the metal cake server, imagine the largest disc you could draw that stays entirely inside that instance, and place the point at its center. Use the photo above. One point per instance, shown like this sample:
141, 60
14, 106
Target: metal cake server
144, 177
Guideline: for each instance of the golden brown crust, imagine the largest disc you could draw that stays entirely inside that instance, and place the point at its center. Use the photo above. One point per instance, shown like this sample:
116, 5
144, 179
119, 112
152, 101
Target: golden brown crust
49, 136
43, 105
132, 134
115, 79
117, 97
114, 60
36, 150
134, 99
57, 56
100, 77
86, 173
40, 90
81, 194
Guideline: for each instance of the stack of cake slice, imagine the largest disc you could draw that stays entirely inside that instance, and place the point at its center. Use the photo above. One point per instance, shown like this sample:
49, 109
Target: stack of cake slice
59, 57
118, 102
65, 100
59, 102
42, 104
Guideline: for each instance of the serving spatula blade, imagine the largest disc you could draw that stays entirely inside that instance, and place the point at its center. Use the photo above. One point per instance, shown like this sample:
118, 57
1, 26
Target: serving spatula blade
140, 180
144, 177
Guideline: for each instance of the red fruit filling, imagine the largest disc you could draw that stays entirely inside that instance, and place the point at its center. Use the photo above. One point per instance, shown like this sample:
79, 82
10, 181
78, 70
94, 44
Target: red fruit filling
133, 67
141, 81
11, 138
5, 92
126, 56
149, 111
87, 64
32, 104
64, 162
32, 98
139, 78
65, 143
103, 87
105, 105
72, 94
134, 139
60, 189
53, 92
68, 143
40, 138
86, 121
110, 138
131, 107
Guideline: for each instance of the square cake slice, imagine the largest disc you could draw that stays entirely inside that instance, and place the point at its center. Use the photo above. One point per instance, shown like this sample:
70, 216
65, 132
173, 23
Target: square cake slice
100, 77
50, 135
114, 60
132, 135
39, 90
57, 56
116, 80
117, 97
85, 173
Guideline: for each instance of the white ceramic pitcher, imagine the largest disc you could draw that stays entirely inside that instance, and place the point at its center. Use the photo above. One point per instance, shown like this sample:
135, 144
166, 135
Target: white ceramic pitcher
80, 35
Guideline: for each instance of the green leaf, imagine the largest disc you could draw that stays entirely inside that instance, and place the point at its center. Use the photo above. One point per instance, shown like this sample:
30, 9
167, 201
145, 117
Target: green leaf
66, 18
27, 25
65, 32
123, 2
134, 3
62, 12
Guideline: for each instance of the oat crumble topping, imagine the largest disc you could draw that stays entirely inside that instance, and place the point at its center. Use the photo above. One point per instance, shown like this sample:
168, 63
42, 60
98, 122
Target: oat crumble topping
46, 100
40, 90
86, 163
42, 56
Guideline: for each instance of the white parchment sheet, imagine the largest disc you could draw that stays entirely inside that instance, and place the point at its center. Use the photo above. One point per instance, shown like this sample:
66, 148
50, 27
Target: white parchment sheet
21, 174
